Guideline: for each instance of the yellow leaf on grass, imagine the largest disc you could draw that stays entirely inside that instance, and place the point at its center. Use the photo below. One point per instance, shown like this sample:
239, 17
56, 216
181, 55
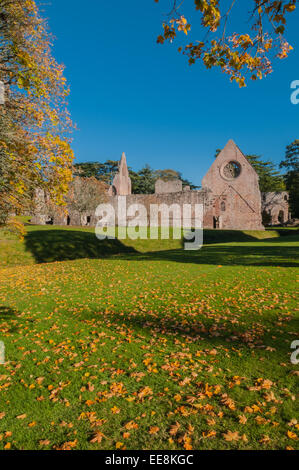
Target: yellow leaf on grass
265, 440
153, 430
115, 410
44, 442
292, 435
242, 419
97, 438
174, 429
131, 425
231, 436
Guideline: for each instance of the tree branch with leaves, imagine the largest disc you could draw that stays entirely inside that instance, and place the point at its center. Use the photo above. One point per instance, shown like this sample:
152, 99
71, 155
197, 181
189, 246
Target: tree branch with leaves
239, 54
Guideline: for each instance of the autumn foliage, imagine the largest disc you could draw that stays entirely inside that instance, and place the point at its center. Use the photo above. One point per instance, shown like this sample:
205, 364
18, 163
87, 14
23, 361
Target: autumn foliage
34, 121
249, 53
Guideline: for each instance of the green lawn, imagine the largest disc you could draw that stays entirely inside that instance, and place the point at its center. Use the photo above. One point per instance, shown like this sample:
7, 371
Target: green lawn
142, 345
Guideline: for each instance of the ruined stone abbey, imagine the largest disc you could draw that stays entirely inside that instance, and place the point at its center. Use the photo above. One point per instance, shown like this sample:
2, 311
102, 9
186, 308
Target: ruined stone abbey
230, 197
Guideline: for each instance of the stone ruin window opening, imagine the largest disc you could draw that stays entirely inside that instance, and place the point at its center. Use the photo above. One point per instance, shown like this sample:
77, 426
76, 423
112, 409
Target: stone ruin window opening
266, 218
88, 220
231, 170
50, 221
68, 220
281, 217
223, 206
216, 222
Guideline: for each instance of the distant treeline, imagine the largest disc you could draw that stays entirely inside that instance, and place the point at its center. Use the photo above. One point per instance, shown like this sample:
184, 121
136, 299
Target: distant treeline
143, 181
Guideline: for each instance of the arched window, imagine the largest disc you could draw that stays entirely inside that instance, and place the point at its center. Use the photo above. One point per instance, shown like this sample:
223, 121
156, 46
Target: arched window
222, 206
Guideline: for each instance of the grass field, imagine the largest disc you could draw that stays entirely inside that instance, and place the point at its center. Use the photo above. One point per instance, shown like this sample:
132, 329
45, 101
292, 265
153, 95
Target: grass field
142, 345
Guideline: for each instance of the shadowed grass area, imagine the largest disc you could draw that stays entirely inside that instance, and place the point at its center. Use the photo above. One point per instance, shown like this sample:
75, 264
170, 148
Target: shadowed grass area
44, 244
281, 255
7, 312
220, 247
61, 245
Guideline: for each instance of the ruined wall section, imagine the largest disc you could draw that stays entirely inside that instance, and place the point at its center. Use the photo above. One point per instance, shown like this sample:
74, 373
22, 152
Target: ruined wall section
178, 198
170, 186
275, 207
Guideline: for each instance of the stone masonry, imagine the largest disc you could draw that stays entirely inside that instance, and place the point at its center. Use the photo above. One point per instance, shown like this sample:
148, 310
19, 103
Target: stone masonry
275, 208
121, 185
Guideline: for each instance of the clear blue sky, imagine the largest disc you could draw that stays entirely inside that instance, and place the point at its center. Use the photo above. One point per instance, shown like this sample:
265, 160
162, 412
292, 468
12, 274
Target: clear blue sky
130, 94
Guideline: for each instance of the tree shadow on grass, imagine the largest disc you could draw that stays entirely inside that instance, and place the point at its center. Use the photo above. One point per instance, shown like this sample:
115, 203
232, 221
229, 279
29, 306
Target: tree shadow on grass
7, 313
229, 255
232, 248
62, 245
223, 333
9, 317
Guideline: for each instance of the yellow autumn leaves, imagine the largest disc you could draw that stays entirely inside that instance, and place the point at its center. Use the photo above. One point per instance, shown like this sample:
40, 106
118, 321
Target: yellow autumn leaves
235, 54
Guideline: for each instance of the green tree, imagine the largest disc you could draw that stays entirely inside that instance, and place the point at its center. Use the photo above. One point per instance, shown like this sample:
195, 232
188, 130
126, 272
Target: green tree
270, 179
170, 174
188, 183
100, 171
143, 181
291, 165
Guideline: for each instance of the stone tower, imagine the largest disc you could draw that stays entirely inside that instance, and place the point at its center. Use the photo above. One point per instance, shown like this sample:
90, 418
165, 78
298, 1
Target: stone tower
121, 185
234, 198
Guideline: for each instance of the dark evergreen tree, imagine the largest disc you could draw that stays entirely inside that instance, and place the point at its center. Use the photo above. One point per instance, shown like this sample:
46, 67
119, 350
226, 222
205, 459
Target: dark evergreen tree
143, 181
100, 171
291, 165
270, 179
